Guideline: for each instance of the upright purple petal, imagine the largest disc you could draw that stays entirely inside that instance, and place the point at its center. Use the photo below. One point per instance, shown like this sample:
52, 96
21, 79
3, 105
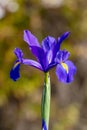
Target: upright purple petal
65, 54
49, 57
63, 37
62, 56
30, 39
48, 43
59, 41
34, 46
40, 55
18, 52
55, 49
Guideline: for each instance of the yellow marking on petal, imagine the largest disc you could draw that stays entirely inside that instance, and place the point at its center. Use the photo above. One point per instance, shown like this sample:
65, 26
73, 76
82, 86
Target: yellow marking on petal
16, 64
65, 66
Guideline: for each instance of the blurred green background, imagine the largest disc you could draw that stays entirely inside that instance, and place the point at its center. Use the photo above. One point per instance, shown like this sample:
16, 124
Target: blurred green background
20, 101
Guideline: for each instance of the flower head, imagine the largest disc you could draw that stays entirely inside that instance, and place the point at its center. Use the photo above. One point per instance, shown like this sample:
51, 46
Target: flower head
48, 55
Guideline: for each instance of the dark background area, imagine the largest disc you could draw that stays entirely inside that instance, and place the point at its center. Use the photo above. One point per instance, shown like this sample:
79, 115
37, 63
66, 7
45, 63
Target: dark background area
20, 101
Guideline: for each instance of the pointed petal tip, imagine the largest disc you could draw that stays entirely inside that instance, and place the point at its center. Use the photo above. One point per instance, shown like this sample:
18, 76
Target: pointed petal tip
25, 31
66, 34
63, 37
17, 50
30, 38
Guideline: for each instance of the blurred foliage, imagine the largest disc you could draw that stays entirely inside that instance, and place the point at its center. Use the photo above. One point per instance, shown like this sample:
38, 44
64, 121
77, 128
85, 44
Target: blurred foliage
21, 100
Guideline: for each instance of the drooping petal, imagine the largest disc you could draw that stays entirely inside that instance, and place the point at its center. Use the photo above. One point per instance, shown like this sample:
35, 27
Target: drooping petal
32, 63
14, 73
65, 73
71, 69
61, 73
44, 127
18, 52
30, 39
48, 43
63, 37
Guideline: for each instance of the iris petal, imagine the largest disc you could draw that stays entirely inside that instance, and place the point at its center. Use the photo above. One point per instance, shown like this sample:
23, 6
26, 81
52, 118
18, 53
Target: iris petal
62, 56
32, 63
56, 48
48, 43
35, 48
14, 73
59, 41
18, 52
40, 55
30, 39
49, 57
62, 74
63, 37
66, 55
44, 127
72, 71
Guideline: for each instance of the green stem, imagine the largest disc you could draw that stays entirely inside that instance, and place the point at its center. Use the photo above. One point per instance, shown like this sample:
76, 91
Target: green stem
45, 104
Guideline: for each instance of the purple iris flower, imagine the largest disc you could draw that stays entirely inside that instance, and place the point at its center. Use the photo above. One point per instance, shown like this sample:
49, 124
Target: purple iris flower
48, 55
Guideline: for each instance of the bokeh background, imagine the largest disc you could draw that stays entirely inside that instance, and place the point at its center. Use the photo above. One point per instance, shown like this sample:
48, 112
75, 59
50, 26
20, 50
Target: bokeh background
20, 101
